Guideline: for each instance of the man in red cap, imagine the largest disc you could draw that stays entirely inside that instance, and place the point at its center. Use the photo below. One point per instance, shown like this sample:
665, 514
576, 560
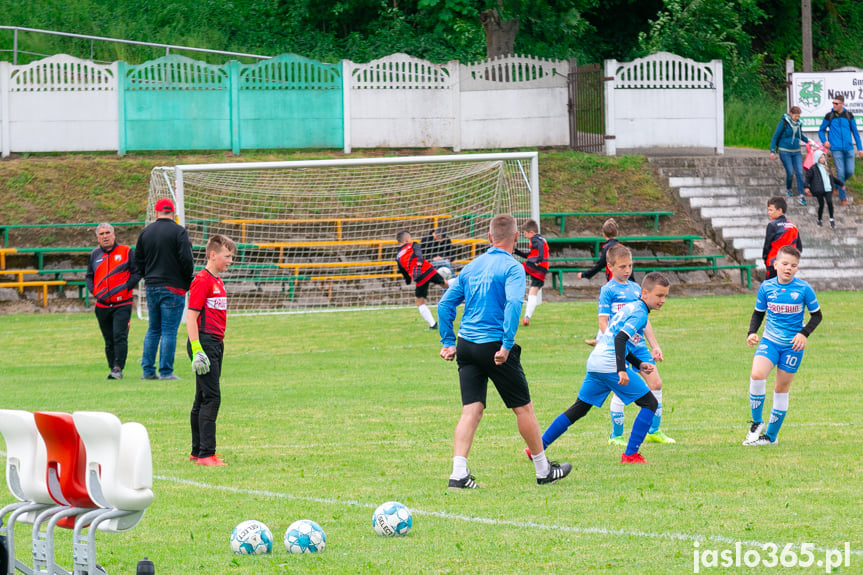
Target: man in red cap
164, 257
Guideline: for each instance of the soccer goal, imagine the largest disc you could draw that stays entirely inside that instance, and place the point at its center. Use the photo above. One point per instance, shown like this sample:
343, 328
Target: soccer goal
321, 235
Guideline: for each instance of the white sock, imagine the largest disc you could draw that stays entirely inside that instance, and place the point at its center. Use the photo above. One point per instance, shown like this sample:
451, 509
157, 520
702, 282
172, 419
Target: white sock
540, 463
531, 305
780, 401
757, 386
427, 314
616, 404
459, 467
657, 393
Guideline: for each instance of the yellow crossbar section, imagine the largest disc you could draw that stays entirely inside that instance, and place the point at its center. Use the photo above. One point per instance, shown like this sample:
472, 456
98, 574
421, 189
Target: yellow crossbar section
3, 252
43, 284
355, 277
338, 221
19, 273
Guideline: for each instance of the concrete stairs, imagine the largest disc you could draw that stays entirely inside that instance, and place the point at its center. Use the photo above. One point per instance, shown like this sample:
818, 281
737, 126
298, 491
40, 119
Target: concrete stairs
727, 196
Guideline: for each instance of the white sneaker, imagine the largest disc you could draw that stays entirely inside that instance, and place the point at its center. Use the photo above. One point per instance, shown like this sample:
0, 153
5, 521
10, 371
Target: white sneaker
764, 440
755, 431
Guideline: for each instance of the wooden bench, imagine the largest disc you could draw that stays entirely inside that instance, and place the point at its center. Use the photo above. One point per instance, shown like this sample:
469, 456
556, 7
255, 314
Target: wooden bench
560, 217
44, 284
745, 272
372, 243
597, 241
3, 253
337, 221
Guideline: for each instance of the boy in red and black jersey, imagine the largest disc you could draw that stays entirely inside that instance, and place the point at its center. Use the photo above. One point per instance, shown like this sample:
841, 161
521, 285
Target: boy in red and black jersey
535, 265
205, 322
414, 268
111, 277
780, 232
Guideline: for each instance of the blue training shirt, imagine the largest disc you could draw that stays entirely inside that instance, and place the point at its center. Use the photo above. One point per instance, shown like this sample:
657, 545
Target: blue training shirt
492, 289
631, 319
614, 295
784, 304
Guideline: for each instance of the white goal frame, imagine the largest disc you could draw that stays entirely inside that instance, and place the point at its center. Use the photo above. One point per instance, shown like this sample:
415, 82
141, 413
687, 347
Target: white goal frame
175, 179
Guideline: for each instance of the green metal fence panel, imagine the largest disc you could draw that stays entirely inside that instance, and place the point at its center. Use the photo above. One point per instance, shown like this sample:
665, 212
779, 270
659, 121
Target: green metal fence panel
290, 102
176, 103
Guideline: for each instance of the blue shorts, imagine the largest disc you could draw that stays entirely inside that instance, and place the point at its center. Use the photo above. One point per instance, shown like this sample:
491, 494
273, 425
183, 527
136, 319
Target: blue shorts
642, 352
597, 386
780, 355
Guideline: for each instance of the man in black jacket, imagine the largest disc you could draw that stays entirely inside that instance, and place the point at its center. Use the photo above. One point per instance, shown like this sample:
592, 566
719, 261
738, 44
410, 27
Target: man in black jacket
164, 257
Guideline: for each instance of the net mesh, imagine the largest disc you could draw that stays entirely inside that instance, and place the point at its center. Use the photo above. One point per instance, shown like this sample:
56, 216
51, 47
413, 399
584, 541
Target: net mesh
319, 236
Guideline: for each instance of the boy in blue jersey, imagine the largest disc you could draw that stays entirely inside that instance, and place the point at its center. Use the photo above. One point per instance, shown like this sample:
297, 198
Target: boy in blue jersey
784, 300
607, 371
614, 295
491, 288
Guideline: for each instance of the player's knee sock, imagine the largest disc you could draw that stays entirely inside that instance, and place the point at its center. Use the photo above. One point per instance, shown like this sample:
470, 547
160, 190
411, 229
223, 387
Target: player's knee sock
540, 463
639, 430
617, 417
657, 417
757, 393
777, 415
427, 314
531, 305
459, 467
557, 428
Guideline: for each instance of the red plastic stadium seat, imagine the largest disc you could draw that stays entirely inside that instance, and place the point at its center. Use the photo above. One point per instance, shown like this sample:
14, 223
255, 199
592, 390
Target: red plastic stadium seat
67, 459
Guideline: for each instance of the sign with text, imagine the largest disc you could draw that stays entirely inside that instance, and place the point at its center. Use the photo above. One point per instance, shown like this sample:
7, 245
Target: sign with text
814, 93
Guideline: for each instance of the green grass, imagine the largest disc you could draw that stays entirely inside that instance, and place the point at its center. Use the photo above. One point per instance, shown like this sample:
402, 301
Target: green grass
325, 416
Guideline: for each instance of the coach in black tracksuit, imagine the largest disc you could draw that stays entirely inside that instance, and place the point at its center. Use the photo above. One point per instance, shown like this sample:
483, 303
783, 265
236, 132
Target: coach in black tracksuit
111, 277
164, 257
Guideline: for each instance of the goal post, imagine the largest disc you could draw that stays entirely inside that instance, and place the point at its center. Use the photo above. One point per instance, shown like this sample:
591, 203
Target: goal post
319, 235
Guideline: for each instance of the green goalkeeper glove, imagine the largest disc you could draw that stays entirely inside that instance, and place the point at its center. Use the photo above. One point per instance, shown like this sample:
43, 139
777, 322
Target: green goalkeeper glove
200, 361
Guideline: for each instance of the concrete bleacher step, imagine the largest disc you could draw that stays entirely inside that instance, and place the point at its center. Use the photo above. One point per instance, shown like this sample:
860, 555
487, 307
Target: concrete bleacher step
728, 196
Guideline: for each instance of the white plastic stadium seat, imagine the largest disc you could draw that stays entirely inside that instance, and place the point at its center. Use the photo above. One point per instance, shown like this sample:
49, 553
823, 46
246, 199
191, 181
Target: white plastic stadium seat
119, 479
26, 471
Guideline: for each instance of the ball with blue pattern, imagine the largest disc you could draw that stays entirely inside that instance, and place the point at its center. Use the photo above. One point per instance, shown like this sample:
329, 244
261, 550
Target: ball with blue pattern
392, 519
305, 536
251, 538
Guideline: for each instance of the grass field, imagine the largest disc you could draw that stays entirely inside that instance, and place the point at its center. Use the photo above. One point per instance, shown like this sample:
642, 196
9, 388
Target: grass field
325, 416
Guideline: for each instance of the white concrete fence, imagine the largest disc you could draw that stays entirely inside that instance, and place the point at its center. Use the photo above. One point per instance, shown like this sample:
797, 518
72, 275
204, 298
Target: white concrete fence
664, 100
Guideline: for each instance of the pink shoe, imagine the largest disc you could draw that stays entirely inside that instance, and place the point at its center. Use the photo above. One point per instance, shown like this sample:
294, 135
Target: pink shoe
194, 459
634, 458
212, 461
526, 321
528, 453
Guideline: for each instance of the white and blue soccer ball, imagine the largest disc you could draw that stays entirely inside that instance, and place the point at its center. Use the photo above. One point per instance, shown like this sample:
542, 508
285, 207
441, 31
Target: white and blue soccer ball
251, 538
445, 272
392, 519
305, 536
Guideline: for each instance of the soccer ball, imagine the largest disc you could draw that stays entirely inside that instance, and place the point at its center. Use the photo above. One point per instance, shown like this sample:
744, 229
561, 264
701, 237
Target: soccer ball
444, 272
305, 536
392, 519
251, 538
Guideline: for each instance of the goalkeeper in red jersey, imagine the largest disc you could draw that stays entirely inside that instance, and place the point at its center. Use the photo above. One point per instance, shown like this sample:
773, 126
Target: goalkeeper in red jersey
205, 322
414, 268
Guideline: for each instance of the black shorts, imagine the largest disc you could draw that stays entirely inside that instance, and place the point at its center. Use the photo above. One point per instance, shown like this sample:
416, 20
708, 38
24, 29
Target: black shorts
536, 282
475, 367
423, 290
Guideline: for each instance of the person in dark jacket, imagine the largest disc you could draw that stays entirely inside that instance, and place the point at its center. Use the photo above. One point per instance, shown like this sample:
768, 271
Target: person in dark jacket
786, 139
780, 232
111, 277
820, 182
164, 257
838, 133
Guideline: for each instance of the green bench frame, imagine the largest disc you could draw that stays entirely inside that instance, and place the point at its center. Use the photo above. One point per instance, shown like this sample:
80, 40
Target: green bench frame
597, 241
560, 217
745, 272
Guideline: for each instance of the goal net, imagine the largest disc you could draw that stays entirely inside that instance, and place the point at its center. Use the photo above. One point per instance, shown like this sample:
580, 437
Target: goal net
321, 235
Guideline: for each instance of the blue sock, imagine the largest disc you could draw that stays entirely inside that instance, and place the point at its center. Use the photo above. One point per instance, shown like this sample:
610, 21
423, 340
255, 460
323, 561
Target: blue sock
776, 419
639, 430
657, 416
617, 419
757, 393
557, 428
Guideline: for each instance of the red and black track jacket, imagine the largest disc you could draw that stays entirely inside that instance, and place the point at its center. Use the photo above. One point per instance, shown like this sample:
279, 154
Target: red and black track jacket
602, 263
412, 265
780, 232
111, 275
536, 261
